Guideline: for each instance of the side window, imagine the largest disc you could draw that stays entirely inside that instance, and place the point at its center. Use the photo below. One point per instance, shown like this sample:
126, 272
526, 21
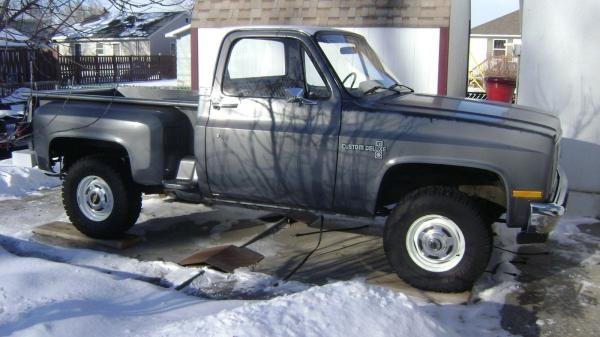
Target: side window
257, 68
315, 85
252, 58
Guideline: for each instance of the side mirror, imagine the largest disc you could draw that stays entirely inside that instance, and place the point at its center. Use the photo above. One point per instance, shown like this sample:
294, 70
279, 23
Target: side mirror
296, 95
294, 92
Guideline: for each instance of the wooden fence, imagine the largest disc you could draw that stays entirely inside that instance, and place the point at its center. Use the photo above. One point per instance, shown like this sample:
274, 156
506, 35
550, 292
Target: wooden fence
115, 69
15, 65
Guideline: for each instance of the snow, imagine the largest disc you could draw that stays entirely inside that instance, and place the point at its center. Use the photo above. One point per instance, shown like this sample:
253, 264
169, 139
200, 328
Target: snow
124, 25
10, 37
338, 309
19, 181
39, 297
17, 96
11, 113
42, 297
158, 83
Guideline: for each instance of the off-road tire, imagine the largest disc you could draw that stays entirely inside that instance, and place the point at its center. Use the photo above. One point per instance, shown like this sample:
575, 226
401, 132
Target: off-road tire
462, 211
127, 197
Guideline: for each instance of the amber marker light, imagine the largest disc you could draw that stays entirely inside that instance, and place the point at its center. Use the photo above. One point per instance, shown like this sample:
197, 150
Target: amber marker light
527, 194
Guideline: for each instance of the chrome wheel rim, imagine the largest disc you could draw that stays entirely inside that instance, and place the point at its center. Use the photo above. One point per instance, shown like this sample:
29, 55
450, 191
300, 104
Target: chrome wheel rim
95, 198
435, 243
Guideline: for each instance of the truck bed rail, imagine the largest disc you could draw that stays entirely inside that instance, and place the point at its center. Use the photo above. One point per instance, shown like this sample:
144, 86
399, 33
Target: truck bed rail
86, 95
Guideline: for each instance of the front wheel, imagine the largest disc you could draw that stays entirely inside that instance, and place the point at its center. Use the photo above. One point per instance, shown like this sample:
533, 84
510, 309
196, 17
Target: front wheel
100, 198
437, 239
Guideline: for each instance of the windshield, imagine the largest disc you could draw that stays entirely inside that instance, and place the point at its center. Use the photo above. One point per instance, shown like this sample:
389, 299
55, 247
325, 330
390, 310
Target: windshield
355, 63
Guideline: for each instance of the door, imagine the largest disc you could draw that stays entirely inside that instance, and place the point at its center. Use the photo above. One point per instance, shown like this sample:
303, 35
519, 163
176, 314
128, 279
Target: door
263, 145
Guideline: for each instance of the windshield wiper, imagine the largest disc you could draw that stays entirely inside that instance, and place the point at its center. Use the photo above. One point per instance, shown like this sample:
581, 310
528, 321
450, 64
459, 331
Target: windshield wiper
394, 87
400, 86
373, 89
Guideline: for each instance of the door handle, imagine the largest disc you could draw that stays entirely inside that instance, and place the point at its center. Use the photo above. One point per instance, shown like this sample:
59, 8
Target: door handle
225, 104
218, 106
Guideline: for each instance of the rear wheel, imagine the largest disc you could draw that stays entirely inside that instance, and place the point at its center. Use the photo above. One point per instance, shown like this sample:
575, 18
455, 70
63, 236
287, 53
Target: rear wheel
100, 198
436, 239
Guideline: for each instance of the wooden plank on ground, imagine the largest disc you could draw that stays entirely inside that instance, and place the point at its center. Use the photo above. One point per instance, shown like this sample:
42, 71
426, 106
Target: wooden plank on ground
66, 231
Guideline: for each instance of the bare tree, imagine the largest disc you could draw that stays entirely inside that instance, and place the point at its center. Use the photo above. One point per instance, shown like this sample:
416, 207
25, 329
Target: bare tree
46, 18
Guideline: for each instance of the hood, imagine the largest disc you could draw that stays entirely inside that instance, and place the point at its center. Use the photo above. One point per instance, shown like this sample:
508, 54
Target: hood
478, 111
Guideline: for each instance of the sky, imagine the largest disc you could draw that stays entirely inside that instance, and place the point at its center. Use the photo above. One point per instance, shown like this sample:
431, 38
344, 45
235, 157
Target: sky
485, 10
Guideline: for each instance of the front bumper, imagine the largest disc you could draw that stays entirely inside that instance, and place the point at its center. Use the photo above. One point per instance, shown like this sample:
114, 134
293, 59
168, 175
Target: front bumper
543, 217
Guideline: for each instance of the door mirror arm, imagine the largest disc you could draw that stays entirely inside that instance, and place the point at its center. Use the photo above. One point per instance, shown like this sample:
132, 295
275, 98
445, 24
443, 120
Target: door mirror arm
296, 95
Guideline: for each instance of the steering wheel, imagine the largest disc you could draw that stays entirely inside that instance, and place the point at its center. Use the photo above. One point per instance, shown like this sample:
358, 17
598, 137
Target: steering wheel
353, 75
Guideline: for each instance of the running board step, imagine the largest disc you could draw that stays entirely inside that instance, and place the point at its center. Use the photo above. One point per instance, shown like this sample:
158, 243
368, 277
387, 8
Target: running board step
180, 185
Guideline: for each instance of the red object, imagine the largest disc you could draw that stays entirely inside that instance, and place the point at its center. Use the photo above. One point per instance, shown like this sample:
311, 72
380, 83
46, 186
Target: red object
500, 89
194, 57
442, 88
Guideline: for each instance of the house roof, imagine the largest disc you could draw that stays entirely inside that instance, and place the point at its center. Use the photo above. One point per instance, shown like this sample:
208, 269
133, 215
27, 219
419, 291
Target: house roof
122, 25
509, 24
10, 37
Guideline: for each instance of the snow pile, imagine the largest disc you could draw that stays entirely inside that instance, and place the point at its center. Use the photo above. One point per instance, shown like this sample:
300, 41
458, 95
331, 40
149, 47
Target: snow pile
42, 298
338, 309
17, 96
11, 113
18, 181
209, 284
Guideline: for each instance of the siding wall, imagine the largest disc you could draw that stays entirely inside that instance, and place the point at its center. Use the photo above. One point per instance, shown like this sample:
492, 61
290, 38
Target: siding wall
405, 33
126, 48
412, 54
331, 13
559, 73
184, 78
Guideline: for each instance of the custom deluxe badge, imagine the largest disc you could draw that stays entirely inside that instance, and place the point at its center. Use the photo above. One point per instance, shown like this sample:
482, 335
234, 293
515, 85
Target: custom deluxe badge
379, 148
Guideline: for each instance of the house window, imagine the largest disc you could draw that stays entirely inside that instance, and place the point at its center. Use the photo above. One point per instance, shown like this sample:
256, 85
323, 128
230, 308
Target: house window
173, 49
99, 49
116, 49
499, 47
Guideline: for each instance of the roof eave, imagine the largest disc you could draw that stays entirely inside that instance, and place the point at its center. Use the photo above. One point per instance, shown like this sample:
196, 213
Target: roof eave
178, 31
496, 35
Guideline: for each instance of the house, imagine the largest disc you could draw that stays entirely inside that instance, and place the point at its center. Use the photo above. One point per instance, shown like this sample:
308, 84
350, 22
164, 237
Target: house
11, 38
411, 36
124, 34
500, 37
182, 36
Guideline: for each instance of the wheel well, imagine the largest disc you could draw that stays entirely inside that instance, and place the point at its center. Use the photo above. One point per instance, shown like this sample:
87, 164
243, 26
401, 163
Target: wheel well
72, 149
405, 178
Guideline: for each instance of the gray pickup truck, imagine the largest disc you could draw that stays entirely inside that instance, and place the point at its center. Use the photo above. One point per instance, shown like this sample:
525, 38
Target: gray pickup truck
310, 119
